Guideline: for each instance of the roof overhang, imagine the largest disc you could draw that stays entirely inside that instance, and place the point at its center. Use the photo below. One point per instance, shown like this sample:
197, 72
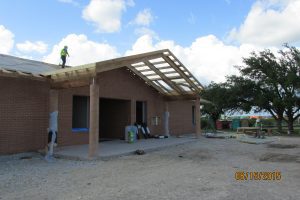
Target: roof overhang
4, 72
159, 69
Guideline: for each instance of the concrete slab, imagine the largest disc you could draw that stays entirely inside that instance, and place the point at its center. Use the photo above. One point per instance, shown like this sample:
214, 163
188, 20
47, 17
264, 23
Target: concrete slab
115, 148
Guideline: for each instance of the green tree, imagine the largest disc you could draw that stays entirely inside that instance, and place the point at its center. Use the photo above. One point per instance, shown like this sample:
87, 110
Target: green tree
274, 82
247, 95
216, 94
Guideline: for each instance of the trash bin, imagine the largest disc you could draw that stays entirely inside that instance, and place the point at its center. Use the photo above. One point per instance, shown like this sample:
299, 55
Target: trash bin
219, 125
235, 124
130, 130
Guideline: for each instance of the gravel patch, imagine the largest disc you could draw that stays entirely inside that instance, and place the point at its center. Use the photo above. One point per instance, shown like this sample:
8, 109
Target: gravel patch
204, 169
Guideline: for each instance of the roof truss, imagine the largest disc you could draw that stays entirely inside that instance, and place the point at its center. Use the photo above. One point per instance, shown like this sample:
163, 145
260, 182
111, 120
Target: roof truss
159, 69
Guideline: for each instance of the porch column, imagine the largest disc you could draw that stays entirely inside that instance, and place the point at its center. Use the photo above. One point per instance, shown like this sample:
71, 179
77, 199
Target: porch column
198, 117
94, 119
166, 119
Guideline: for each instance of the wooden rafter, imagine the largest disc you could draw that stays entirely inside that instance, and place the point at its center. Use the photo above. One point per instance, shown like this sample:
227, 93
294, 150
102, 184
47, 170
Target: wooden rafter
171, 54
145, 79
151, 67
164, 77
162, 86
178, 70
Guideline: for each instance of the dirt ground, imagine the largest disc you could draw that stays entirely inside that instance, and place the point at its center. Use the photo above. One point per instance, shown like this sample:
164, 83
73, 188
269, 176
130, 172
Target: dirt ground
204, 169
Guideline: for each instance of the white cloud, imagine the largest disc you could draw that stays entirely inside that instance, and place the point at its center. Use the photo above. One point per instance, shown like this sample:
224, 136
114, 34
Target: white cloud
208, 58
106, 14
28, 47
81, 50
146, 31
270, 23
6, 40
143, 18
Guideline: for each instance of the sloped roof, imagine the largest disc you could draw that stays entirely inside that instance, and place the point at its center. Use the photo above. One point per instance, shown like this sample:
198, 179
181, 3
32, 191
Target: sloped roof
25, 65
159, 69
16, 73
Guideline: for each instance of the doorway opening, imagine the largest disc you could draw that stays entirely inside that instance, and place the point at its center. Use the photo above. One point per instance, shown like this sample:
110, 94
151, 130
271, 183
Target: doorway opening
114, 116
141, 112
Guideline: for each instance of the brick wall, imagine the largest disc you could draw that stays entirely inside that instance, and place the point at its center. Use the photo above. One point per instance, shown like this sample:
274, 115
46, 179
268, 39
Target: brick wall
181, 117
24, 110
23, 114
115, 84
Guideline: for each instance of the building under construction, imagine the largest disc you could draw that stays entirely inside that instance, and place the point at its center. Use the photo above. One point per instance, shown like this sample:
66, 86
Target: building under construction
95, 101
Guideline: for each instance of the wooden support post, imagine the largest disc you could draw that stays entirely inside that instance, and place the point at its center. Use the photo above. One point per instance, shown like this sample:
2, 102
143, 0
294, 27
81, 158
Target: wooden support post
94, 119
198, 117
166, 119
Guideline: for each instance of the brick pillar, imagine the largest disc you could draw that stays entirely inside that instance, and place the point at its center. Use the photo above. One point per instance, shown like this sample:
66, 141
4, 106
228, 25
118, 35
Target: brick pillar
94, 119
53, 101
198, 117
166, 119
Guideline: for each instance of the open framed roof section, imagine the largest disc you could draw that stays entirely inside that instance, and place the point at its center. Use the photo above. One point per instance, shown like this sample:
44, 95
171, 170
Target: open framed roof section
159, 69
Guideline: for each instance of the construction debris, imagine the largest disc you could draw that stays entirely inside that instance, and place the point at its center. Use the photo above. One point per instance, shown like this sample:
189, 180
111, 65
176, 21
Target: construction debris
220, 135
252, 140
139, 152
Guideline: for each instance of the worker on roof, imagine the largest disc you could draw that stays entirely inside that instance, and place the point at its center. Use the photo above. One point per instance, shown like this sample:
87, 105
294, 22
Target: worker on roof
63, 55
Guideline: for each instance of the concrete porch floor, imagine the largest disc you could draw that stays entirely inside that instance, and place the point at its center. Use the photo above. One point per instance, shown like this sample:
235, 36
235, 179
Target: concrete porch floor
115, 148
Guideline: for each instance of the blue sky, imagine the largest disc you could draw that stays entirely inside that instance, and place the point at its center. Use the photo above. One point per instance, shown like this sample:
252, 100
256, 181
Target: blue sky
208, 36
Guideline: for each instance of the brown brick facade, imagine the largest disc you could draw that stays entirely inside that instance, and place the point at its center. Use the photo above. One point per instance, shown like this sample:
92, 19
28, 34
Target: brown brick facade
181, 117
115, 84
23, 114
24, 110
121, 84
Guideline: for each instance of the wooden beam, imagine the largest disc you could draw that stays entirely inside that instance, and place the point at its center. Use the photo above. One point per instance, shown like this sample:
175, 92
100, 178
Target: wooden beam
73, 76
70, 69
166, 67
155, 79
162, 86
143, 65
164, 77
170, 72
175, 77
126, 61
184, 84
177, 69
182, 65
146, 80
145, 70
